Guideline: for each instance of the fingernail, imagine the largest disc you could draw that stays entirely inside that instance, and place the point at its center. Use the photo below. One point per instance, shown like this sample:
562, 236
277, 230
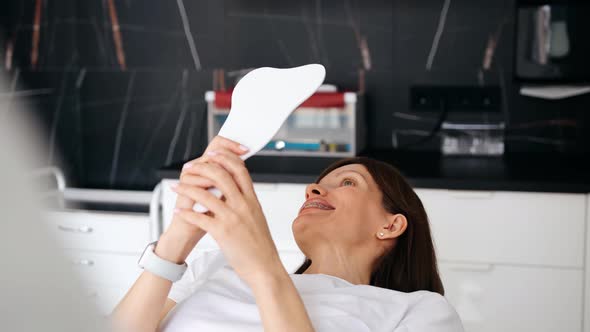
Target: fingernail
176, 210
244, 148
187, 165
174, 186
212, 153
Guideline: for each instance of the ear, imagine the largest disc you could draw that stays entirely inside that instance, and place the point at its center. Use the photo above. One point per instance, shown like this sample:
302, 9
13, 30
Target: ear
393, 228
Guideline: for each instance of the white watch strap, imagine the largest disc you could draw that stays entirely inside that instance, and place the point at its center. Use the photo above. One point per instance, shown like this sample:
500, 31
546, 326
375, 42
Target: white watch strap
149, 261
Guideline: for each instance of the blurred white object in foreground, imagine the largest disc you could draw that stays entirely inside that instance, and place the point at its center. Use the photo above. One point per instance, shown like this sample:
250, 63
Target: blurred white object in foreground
38, 291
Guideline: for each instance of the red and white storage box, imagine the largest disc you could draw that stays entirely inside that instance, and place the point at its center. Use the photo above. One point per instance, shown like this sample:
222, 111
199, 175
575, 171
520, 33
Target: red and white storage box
328, 124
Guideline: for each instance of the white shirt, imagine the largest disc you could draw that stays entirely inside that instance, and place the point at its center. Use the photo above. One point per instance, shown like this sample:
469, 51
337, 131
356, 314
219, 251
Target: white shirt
211, 297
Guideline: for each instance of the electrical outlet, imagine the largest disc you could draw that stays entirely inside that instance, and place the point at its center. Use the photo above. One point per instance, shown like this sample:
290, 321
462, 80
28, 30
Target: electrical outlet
427, 98
455, 98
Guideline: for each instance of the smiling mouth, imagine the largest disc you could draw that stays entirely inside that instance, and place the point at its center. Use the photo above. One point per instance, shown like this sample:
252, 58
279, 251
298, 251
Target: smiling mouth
315, 205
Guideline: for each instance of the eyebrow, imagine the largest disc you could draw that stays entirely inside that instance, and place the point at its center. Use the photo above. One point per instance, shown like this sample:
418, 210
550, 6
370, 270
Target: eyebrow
351, 171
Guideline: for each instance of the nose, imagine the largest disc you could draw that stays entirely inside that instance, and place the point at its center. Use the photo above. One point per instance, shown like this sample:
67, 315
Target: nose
314, 189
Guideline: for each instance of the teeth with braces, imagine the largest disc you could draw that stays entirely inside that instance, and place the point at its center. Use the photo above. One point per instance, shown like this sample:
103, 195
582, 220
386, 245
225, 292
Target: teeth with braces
317, 205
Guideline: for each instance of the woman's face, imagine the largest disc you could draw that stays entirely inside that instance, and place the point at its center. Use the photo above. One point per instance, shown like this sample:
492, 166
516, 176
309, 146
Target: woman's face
343, 210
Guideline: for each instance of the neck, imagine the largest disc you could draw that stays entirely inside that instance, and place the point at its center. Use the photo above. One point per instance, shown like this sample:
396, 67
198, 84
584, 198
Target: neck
344, 265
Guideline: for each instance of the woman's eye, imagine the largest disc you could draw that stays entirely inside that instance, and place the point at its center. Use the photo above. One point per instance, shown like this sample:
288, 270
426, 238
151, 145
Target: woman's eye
347, 182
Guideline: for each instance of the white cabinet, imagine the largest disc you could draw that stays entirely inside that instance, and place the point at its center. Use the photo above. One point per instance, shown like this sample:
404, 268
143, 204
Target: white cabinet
121, 232
511, 261
508, 227
105, 268
492, 298
103, 247
105, 296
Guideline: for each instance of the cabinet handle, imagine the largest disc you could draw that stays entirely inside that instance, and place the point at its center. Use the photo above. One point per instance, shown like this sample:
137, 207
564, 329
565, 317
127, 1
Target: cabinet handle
86, 262
81, 229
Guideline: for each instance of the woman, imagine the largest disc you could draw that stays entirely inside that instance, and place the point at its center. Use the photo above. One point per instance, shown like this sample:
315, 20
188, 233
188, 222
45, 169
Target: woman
371, 264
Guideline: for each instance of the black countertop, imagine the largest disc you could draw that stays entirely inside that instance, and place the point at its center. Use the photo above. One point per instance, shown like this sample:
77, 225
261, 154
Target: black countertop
521, 172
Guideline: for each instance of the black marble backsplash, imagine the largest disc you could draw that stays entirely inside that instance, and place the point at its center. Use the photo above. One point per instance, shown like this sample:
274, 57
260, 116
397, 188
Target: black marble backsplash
116, 109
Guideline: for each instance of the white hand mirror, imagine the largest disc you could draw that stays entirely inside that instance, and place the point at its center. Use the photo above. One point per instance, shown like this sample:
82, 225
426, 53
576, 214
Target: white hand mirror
260, 103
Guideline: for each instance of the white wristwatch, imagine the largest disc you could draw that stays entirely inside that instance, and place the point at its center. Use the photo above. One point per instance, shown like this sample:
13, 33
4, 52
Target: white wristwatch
149, 261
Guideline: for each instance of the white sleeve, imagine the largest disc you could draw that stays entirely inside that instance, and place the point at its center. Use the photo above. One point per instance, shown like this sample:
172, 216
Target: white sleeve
433, 313
198, 271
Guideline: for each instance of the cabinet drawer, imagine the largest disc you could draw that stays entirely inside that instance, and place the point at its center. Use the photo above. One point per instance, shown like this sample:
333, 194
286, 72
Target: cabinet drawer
514, 299
104, 268
507, 227
90, 230
105, 297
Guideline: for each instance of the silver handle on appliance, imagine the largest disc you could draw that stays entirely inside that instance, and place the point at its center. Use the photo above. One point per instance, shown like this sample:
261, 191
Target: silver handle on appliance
81, 229
542, 35
86, 262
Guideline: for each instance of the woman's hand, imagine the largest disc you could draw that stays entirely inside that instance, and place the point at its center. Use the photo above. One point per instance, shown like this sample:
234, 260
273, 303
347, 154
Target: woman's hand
237, 223
217, 144
181, 237
239, 227
145, 304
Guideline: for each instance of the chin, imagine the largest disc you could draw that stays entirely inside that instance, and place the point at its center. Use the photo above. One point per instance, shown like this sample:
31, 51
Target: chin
303, 221
310, 218
311, 224
299, 220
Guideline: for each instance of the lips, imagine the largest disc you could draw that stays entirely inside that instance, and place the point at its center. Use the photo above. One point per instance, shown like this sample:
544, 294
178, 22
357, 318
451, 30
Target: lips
316, 203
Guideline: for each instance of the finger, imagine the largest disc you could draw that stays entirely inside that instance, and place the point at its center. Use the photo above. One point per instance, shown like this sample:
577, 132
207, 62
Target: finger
182, 202
236, 168
205, 158
220, 177
202, 220
185, 202
222, 142
202, 197
196, 180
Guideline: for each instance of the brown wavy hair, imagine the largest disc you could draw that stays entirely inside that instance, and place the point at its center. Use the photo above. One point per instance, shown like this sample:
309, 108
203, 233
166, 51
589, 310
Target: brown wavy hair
410, 265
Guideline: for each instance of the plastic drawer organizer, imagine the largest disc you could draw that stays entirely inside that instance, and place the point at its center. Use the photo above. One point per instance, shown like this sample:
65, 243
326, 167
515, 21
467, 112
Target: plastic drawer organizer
328, 124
